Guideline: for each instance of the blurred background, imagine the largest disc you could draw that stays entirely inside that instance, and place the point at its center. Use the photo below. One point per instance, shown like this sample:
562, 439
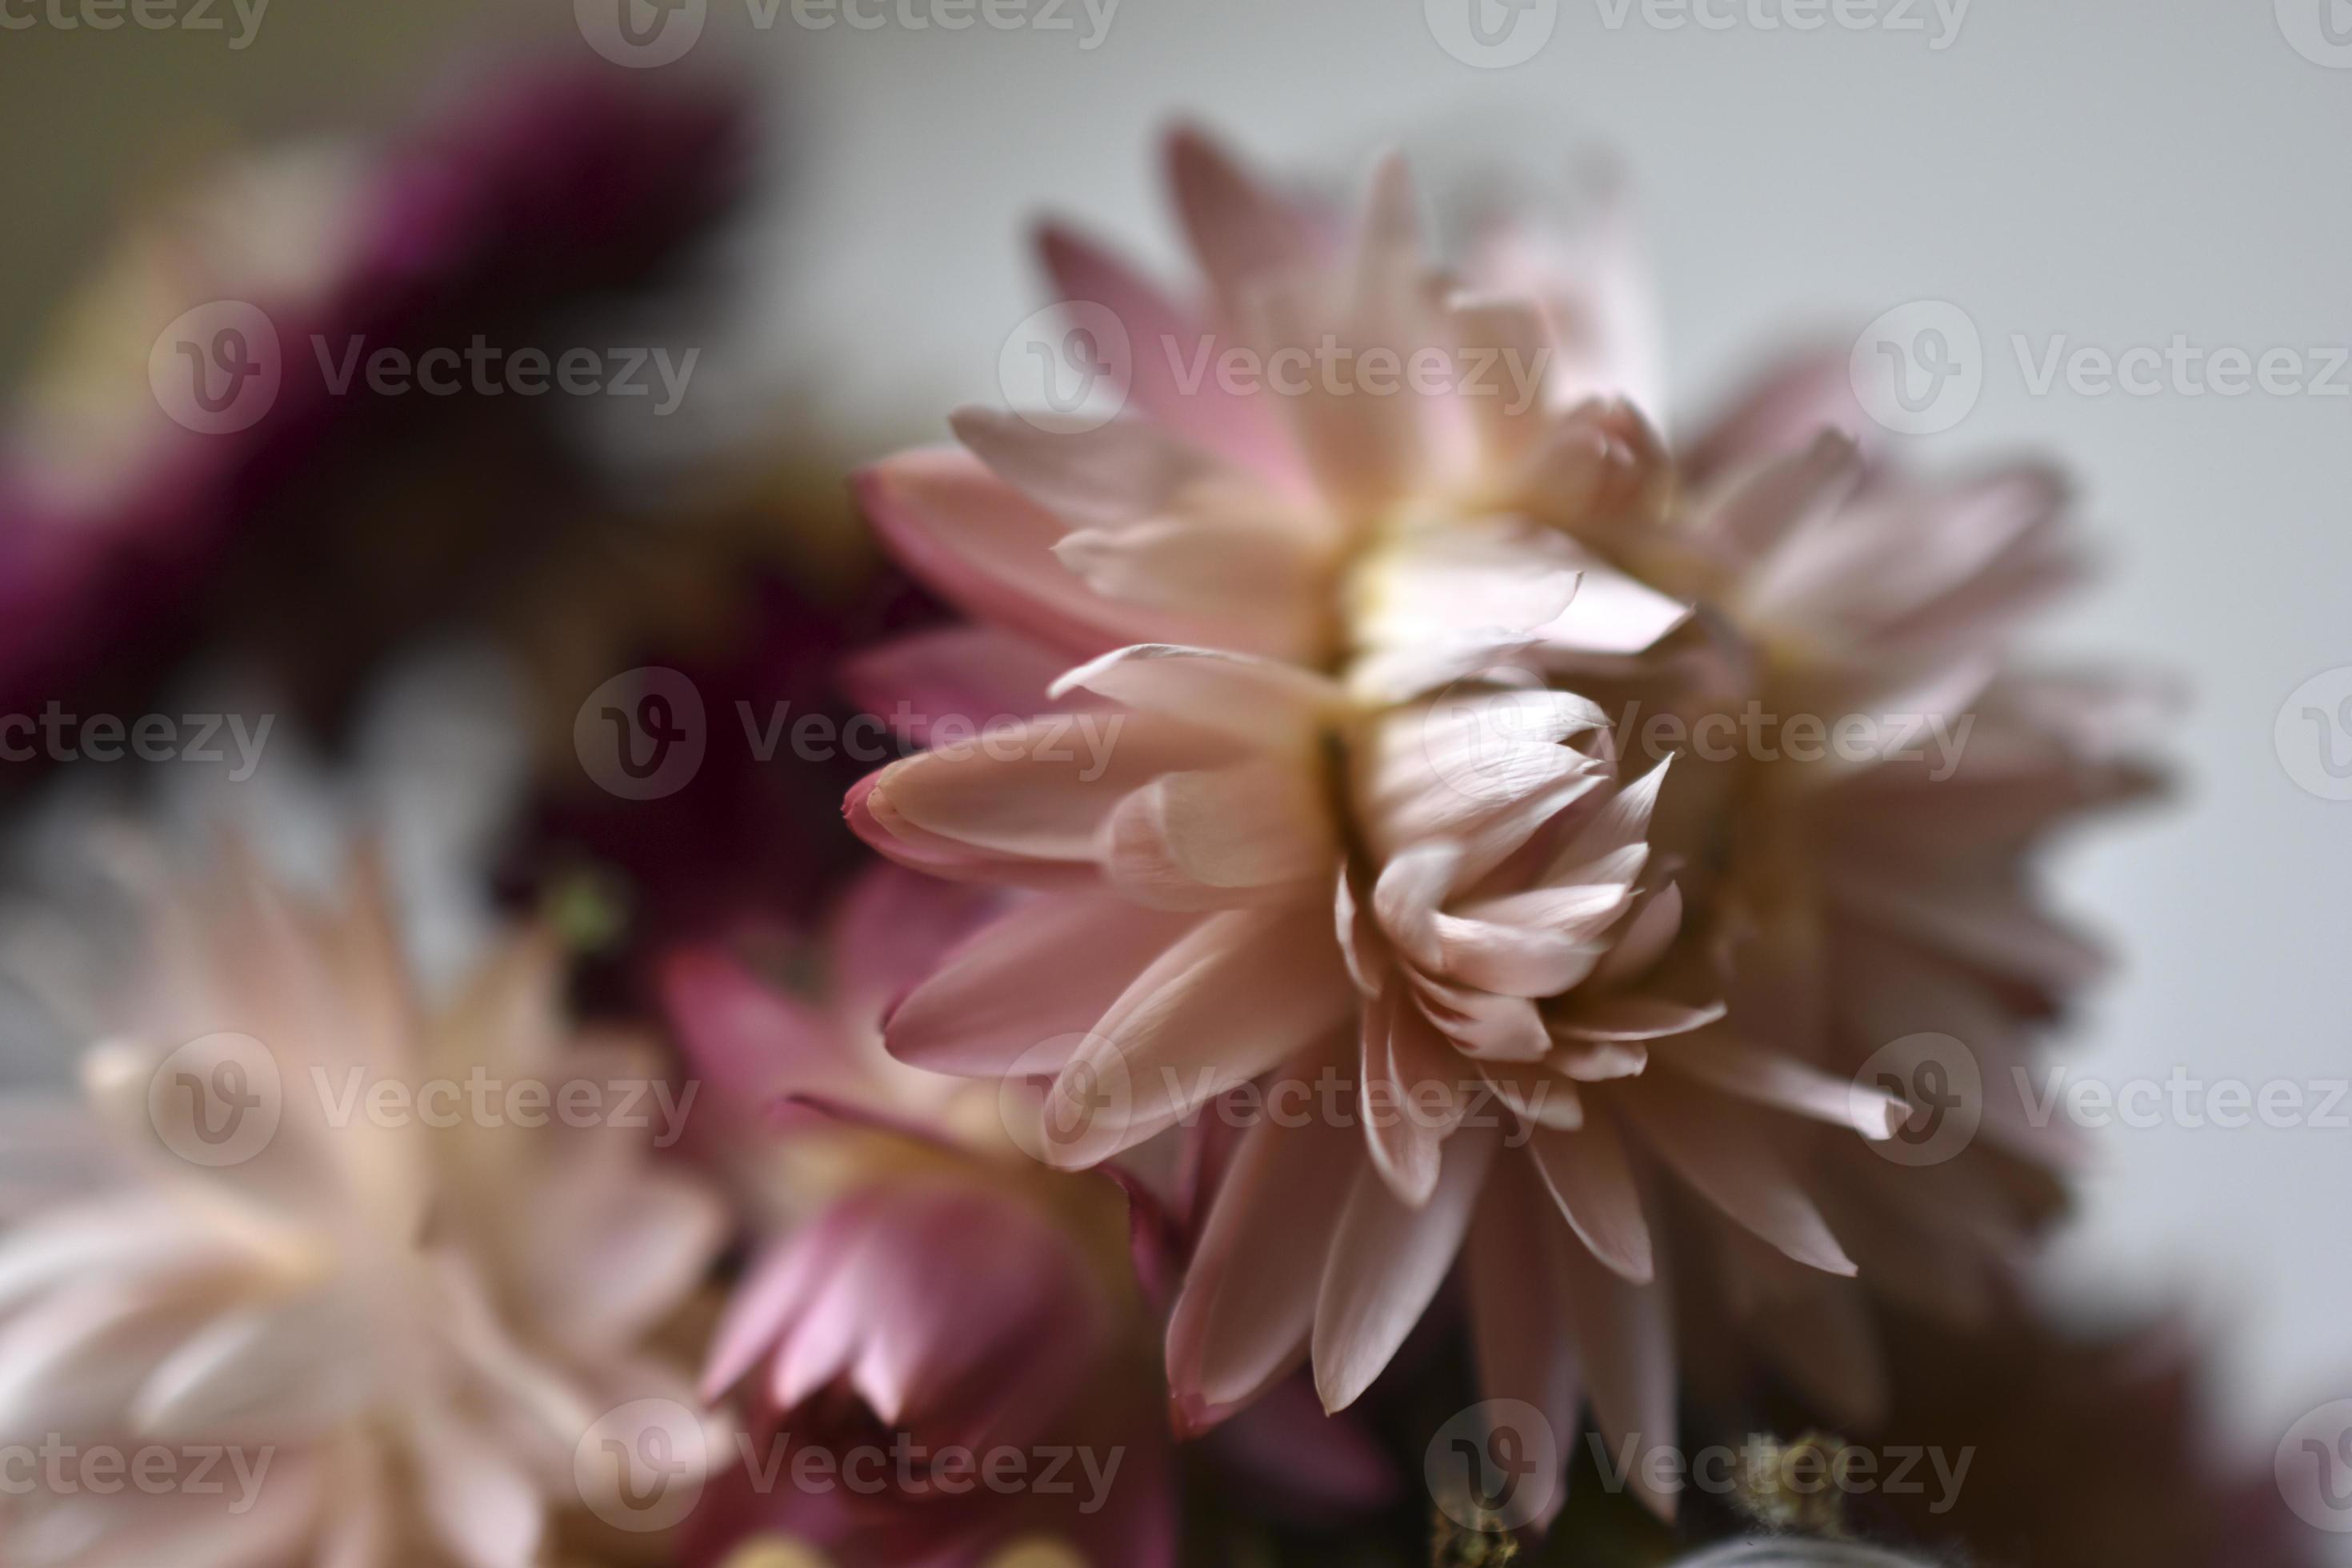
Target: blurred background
2103, 174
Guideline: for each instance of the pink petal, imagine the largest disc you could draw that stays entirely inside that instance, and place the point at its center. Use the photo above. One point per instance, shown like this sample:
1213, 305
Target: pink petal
971, 673
1248, 1300
1241, 231
1254, 831
1048, 968
1164, 345
1711, 1145
1238, 994
1590, 1178
1629, 1018
752, 1040
1625, 1335
1386, 1262
1409, 1095
1038, 791
1519, 1311
982, 545
1258, 702
1750, 1072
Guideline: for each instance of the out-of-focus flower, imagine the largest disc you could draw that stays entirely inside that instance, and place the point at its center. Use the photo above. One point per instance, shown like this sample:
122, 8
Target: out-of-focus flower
367, 1244
1309, 814
340, 521
1864, 853
929, 1317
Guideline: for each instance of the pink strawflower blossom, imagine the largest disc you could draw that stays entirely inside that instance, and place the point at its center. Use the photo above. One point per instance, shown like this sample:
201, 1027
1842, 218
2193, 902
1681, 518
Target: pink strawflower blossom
407, 1322
923, 1296
1354, 822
